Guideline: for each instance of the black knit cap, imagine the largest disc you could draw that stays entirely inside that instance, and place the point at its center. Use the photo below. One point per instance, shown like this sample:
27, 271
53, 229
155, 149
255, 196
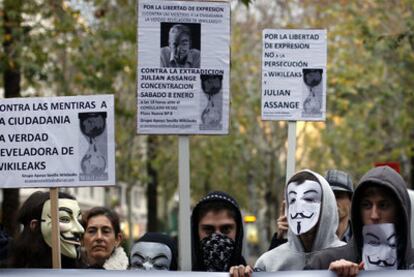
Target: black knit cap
216, 196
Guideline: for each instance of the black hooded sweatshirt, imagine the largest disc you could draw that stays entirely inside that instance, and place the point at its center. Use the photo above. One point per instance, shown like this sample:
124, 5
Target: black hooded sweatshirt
389, 179
216, 196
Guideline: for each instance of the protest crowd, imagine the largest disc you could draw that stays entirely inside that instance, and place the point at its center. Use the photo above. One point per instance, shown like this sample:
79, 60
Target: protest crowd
327, 224
327, 221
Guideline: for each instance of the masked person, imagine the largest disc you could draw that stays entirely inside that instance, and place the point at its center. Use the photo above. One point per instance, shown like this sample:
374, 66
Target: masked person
380, 216
32, 248
217, 233
102, 240
341, 185
313, 220
179, 52
154, 251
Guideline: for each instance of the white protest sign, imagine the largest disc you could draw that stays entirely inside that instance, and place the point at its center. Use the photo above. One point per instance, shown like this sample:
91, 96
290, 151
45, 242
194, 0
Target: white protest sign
294, 75
183, 67
57, 141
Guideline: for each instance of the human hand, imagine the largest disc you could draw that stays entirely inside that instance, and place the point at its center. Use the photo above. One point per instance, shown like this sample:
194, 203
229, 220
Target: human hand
282, 223
344, 268
241, 271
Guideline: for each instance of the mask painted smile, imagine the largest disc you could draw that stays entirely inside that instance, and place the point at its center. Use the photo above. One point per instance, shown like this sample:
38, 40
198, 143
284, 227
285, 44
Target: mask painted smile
379, 251
304, 205
301, 216
69, 226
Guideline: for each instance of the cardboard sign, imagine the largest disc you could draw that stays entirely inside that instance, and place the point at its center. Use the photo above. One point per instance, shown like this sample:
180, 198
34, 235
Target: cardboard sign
57, 141
294, 75
183, 67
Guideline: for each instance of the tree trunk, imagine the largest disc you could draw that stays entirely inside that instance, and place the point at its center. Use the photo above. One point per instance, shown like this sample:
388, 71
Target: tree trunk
11, 78
152, 145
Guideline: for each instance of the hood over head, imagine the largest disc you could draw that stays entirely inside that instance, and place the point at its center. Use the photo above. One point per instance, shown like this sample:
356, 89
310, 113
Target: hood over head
212, 197
163, 239
292, 255
328, 218
388, 178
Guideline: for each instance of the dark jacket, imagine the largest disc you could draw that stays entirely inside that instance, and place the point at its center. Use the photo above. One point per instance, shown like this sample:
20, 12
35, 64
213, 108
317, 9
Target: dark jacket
386, 177
216, 196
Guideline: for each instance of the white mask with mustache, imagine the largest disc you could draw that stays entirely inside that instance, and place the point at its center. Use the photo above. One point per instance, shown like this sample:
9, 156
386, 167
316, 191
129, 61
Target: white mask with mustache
380, 246
69, 226
304, 205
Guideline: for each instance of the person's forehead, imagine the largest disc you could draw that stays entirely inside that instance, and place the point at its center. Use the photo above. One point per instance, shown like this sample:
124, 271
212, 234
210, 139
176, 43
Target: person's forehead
377, 192
217, 218
69, 203
307, 184
340, 194
151, 249
99, 221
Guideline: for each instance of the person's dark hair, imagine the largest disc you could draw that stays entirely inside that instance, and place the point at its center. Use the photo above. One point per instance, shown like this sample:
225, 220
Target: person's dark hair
29, 250
302, 176
216, 206
401, 226
110, 214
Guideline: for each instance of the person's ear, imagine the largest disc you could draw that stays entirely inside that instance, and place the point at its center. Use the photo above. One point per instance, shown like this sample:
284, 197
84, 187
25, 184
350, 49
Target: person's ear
34, 223
118, 239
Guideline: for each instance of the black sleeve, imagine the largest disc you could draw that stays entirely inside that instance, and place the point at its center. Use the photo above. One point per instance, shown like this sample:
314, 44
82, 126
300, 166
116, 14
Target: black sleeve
275, 242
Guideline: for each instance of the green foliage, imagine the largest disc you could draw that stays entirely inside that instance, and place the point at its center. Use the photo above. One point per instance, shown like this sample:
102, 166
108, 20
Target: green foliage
369, 102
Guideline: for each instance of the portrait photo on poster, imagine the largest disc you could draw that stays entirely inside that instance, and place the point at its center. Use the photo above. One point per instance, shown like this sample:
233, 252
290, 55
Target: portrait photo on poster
180, 44
93, 139
211, 102
312, 92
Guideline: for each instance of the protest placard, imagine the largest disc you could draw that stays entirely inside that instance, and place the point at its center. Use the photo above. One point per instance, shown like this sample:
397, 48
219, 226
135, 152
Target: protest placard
294, 75
183, 67
57, 141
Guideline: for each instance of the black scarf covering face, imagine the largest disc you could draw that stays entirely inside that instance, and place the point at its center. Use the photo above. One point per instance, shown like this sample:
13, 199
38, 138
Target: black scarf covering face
216, 251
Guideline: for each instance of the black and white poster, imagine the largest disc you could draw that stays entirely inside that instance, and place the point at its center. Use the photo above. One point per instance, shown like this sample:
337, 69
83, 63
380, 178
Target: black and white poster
294, 75
183, 67
57, 141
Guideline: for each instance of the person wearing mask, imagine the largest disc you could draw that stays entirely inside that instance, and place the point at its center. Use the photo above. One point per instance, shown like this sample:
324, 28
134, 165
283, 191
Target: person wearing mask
341, 185
154, 251
102, 239
217, 233
380, 216
313, 220
32, 247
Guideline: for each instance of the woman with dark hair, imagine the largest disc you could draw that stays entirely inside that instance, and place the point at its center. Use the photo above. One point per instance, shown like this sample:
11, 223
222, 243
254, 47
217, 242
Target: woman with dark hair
32, 247
102, 240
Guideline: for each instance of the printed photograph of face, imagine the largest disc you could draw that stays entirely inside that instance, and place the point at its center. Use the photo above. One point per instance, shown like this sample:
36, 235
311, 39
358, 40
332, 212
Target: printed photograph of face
380, 246
180, 45
304, 205
150, 256
69, 225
